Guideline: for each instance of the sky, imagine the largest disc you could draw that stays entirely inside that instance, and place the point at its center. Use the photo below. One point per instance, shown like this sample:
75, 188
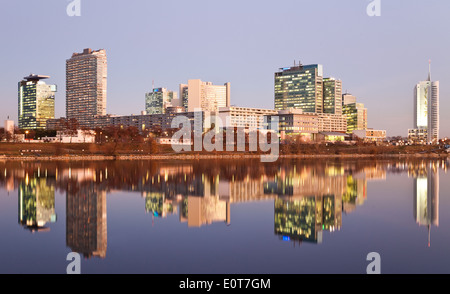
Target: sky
379, 59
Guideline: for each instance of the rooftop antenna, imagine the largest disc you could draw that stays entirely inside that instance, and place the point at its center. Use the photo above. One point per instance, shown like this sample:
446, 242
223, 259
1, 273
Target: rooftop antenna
153, 85
429, 70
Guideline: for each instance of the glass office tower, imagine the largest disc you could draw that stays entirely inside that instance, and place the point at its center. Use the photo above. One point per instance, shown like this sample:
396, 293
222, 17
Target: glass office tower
300, 87
332, 96
157, 100
36, 102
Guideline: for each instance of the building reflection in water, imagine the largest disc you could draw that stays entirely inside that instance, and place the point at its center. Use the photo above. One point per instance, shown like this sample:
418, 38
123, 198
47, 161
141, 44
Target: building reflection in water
36, 204
309, 197
86, 215
426, 197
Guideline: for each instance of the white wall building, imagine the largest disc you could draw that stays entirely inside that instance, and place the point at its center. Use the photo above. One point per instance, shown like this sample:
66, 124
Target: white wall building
80, 136
243, 117
205, 96
426, 108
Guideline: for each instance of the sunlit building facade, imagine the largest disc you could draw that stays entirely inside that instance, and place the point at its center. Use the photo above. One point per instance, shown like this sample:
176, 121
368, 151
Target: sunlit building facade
86, 86
426, 112
332, 96
356, 115
199, 95
158, 100
299, 87
36, 102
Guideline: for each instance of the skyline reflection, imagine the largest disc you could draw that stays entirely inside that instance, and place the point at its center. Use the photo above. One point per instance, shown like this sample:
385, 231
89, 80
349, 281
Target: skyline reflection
309, 197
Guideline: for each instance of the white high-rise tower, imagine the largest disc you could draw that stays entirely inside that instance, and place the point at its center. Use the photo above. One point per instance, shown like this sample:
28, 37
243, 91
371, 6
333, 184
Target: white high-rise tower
426, 109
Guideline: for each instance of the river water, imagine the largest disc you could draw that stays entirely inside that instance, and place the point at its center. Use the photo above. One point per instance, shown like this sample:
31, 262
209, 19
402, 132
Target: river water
228, 217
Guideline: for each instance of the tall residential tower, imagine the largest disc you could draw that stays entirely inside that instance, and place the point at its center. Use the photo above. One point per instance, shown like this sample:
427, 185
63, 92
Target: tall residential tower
86, 83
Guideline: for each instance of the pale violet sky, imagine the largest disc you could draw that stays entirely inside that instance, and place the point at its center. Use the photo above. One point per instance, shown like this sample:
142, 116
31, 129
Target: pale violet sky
379, 59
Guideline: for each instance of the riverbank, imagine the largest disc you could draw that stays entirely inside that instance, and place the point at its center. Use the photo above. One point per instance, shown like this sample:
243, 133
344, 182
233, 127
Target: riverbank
97, 152
218, 157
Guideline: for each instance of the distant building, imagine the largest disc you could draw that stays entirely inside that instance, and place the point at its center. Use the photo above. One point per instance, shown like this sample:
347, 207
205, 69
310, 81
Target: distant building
426, 110
299, 87
370, 135
36, 102
294, 123
355, 113
158, 100
86, 86
332, 96
204, 95
244, 117
149, 122
9, 126
80, 136
419, 136
332, 123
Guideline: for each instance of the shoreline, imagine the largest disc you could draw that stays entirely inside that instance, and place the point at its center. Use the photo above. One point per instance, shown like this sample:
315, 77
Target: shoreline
217, 157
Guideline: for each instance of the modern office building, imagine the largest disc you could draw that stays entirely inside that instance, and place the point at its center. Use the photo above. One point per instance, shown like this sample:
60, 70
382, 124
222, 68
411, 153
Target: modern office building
36, 102
332, 96
158, 100
86, 86
426, 111
355, 113
204, 95
294, 123
300, 87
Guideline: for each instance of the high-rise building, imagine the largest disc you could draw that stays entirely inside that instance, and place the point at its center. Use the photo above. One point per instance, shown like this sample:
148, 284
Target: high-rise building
355, 113
36, 102
426, 111
86, 83
332, 96
158, 100
205, 96
299, 87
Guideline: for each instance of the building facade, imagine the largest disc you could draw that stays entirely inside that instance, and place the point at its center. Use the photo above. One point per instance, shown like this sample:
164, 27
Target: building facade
158, 100
151, 121
356, 115
300, 87
36, 102
86, 86
244, 117
204, 95
332, 96
426, 110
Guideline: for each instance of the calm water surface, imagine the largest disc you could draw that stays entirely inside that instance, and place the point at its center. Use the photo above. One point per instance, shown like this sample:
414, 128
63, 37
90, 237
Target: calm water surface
182, 217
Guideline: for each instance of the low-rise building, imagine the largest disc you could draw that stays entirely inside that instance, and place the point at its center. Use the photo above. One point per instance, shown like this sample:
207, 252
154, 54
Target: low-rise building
244, 117
79, 136
418, 136
370, 135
